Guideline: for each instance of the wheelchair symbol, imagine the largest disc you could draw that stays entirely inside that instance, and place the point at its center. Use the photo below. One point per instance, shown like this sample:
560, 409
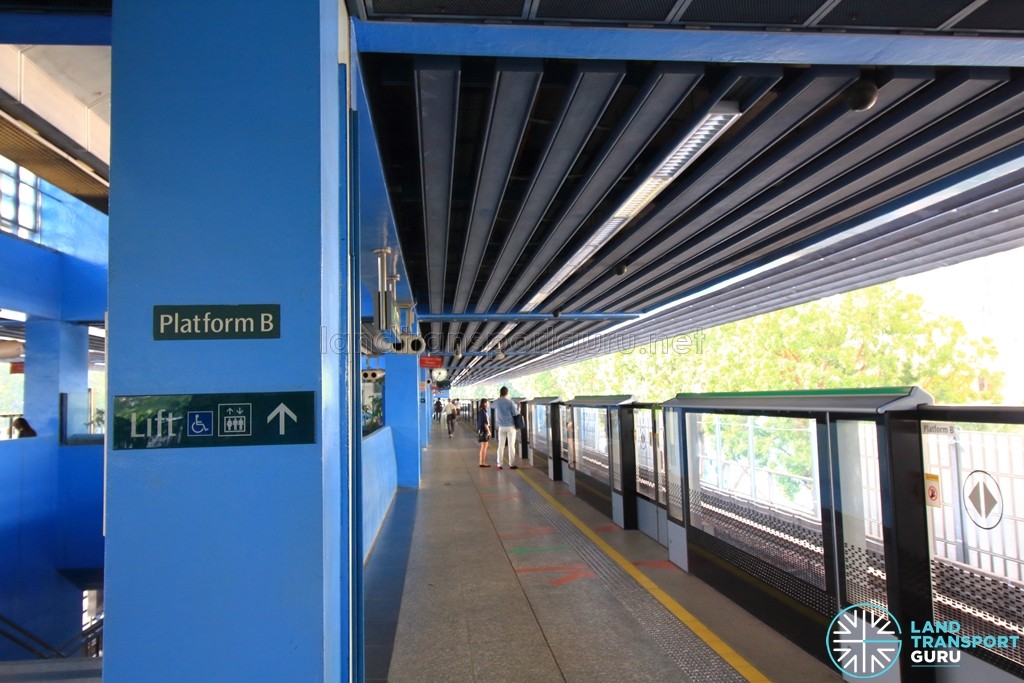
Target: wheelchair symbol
200, 423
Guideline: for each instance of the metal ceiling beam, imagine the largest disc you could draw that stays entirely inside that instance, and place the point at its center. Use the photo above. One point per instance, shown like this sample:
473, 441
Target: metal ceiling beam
793, 106
437, 96
592, 88
795, 168
514, 91
890, 145
666, 87
906, 245
520, 317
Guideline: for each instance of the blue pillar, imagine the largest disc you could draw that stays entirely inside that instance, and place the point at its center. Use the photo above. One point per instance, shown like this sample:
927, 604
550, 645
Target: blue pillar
232, 563
402, 413
56, 361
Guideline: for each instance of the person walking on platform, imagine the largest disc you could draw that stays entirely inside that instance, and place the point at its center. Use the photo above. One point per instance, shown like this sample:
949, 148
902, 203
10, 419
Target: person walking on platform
437, 410
453, 414
504, 418
483, 431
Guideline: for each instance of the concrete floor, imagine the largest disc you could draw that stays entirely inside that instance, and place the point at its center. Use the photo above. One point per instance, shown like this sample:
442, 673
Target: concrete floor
472, 580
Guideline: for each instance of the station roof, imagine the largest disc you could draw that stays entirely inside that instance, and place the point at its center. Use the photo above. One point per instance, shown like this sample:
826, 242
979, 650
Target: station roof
567, 179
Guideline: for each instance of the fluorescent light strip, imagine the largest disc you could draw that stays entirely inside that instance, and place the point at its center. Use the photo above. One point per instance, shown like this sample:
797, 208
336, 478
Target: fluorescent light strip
923, 203
716, 122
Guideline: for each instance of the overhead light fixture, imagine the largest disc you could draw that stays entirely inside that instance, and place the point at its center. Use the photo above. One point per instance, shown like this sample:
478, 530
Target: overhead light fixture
458, 351
698, 139
501, 352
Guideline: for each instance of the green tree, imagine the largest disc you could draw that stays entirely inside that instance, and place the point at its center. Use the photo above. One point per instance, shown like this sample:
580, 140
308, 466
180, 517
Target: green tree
878, 336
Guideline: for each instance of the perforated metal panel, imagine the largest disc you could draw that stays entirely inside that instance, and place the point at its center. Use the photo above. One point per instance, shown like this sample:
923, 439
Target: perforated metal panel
452, 8
924, 15
791, 548
984, 605
634, 10
865, 576
994, 15
804, 593
789, 12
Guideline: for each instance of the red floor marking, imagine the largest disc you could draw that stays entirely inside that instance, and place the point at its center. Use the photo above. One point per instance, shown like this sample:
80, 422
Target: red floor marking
660, 564
573, 572
501, 496
607, 528
573, 576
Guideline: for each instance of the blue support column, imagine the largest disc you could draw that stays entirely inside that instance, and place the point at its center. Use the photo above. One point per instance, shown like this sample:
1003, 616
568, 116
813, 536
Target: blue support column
56, 361
401, 412
228, 183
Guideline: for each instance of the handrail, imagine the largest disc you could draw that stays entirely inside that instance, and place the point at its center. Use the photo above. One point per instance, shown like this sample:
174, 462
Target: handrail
28, 635
83, 638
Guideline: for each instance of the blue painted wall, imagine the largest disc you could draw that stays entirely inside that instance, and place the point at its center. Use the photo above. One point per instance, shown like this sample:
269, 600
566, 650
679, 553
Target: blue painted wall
380, 481
51, 496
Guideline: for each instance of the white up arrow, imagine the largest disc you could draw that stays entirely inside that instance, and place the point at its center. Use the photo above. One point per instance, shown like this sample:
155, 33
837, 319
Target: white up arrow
279, 412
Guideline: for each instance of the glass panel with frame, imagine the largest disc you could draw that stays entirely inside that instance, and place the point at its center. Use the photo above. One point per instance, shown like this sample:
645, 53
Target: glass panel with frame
753, 483
568, 437
592, 441
643, 444
659, 455
539, 429
861, 512
976, 528
20, 200
372, 406
615, 450
674, 460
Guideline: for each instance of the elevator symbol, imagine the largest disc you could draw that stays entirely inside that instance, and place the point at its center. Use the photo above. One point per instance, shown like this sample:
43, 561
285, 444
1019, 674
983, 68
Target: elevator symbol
234, 419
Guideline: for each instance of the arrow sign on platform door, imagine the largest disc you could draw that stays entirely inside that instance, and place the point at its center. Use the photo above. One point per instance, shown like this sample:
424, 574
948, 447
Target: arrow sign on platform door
279, 412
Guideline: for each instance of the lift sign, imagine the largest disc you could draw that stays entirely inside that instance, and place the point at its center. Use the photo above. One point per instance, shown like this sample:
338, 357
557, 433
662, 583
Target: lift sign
247, 321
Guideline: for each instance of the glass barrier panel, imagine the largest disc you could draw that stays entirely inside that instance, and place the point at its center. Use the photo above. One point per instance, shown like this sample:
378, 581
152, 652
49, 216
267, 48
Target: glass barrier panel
568, 437
615, 450
539, 429
592, 442
643, 444
81, 421
861, 508
753, 484
659, 456
974, 484
674, 459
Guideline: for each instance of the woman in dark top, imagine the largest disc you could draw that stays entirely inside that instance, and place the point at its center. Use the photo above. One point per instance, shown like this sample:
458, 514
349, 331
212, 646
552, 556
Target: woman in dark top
483, 431
22, 428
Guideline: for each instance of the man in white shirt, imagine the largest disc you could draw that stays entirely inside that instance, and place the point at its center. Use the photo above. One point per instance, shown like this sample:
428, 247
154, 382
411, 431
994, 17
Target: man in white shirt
504, 418
453, 414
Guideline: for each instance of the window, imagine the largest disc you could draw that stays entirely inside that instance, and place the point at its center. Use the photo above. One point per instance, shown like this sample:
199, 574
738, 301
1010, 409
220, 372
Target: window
20, 200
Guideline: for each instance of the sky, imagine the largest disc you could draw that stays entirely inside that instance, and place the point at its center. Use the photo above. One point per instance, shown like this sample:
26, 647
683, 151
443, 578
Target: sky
985, 294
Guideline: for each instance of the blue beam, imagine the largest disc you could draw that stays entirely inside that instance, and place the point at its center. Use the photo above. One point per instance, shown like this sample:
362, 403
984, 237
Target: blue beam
688, 46
18, 28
